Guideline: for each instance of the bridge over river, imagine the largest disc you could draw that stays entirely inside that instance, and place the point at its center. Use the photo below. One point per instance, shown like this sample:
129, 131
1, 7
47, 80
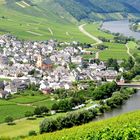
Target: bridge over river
133, 85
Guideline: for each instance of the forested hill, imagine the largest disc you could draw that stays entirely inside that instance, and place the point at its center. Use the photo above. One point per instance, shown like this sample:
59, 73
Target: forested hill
80, 9
101, 9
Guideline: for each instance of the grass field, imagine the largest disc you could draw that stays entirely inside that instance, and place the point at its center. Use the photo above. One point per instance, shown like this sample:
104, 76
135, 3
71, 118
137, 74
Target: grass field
27, 99
126, 123
13, 110
20, 104
116, 51
22, 127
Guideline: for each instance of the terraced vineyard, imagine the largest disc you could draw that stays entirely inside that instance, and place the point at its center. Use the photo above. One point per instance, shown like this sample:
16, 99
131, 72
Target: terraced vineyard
124, 127
115, 50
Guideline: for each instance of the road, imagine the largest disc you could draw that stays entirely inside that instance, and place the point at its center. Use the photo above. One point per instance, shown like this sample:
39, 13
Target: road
81, 28
129, 53
98, 41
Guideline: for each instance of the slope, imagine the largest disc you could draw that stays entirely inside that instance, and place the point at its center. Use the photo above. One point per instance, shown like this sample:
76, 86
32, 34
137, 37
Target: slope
33, 22
122, 127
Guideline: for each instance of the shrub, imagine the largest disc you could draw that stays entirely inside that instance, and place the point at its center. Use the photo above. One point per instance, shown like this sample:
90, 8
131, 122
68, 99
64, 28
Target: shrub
28, 114
32, 133
9, 120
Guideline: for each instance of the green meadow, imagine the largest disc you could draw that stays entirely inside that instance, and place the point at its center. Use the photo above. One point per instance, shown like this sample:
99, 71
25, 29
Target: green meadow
13, 110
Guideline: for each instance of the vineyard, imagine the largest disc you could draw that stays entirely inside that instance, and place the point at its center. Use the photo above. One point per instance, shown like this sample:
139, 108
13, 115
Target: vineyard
123, 127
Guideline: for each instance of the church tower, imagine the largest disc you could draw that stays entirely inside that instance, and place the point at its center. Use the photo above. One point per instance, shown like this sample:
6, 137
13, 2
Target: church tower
39, 61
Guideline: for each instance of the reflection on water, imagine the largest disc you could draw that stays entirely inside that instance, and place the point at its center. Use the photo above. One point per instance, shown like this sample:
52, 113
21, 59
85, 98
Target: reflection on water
131, 104
120, 27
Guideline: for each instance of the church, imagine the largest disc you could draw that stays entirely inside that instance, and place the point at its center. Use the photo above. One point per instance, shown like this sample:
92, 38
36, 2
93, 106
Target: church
45, 64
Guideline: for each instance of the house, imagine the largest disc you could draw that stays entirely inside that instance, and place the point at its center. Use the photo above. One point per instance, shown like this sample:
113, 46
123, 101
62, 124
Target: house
47, 64
3, 94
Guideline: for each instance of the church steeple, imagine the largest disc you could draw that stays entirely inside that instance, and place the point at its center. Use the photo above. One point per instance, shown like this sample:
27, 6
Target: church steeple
39, 60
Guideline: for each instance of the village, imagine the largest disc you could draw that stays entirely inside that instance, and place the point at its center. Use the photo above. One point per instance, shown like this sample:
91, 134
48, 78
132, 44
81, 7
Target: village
46, 63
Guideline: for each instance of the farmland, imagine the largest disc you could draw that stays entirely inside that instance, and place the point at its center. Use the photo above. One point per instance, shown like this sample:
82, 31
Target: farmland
94, 29
115, 50
31, 27
133, 48
22, 104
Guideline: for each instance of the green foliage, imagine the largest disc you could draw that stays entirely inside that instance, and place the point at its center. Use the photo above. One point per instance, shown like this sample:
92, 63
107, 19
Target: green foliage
70, 120
123, 127
9, 120
41, 110
129, 75
32, 133
28, 114
113, 63
104, 91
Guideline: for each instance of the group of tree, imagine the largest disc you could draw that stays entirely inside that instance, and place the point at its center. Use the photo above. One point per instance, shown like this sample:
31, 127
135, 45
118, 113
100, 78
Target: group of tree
112, 63
122, 39
102, 47
85, 116
128, 64
104, 39
104, 91
118, 98
67, 104
68, 121
38, 111
129, 75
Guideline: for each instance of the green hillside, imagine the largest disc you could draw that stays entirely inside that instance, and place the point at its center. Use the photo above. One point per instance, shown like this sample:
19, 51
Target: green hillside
123, 127
59, 19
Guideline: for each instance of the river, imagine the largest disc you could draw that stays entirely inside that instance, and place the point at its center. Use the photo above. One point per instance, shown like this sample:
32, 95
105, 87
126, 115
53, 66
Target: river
122, 26
132, 104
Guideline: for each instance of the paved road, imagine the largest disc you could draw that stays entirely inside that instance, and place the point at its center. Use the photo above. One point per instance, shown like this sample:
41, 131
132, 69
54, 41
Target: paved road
98, 41
81, 28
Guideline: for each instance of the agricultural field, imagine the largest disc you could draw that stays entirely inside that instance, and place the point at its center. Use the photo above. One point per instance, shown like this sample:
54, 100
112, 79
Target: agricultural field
13, 110
125, 126
94, 29
37, 27
47, 102
133, 48
22, 104
115, 50
27, 99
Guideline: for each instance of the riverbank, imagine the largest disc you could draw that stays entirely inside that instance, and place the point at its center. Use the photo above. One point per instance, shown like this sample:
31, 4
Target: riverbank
28, 125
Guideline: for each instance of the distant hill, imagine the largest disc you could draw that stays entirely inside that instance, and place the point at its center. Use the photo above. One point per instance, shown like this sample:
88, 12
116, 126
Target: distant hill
101, 9
79, 9
59, 19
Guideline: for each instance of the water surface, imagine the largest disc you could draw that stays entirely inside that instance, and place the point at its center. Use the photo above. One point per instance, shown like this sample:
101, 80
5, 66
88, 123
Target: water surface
122, 26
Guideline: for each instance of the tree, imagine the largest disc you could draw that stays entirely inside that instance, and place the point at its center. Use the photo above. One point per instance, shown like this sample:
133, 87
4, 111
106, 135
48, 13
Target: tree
64, 105
41, 110
28, 114
113, 63
37, 111
54, 107
9, 120
44, 109
48, 125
